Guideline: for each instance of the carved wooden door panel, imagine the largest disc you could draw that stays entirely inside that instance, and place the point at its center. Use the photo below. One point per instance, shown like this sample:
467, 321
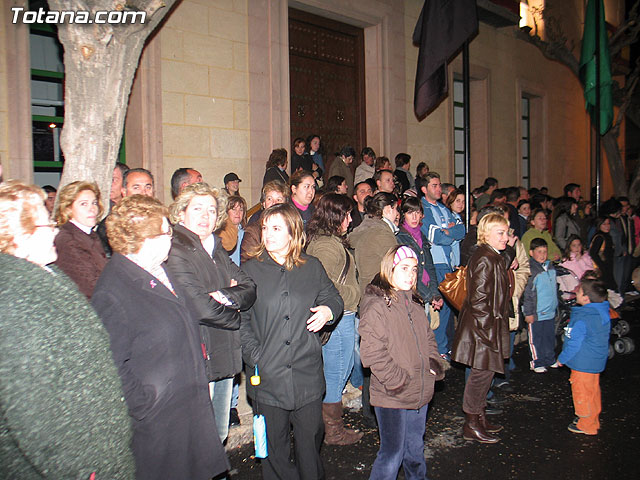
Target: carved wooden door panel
326, 65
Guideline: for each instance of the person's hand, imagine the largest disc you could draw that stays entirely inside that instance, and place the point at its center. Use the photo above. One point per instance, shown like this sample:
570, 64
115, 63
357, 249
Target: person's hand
512, 238
437, 304
514, 264
233, 282
556, 257
220, 298
559, 364
322, 314
451, 224
528, 318
587, 209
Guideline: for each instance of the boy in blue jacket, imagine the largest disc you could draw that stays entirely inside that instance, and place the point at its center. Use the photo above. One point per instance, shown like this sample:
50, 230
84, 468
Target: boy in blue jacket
539, 304
585, 352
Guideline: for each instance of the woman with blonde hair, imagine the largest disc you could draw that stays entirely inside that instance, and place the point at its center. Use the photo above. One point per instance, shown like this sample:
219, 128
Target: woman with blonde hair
62, 413
231, 231
80, 252
216, 288
156, 348
399, 346
295, 299
482, 337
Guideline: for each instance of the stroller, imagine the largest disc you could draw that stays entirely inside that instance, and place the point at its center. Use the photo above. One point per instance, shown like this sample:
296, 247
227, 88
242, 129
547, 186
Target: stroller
567, 283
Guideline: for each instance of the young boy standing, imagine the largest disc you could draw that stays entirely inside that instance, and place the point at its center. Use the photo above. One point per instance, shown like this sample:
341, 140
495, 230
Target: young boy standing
585, 352
539, 304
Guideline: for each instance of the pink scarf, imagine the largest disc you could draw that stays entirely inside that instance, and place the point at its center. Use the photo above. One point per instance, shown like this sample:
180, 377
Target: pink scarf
417, 236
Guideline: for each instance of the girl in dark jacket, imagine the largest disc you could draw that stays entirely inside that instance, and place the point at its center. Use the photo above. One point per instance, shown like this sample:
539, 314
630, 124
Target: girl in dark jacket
216, 289
482, 337
295, 300
411, 236
80, 252
399, 346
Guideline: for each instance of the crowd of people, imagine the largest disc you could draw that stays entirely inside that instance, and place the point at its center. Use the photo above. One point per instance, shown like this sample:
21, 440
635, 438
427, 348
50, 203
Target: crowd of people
333, 280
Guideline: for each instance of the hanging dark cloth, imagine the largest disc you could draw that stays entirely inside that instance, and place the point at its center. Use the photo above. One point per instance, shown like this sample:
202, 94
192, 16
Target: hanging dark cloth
443, 26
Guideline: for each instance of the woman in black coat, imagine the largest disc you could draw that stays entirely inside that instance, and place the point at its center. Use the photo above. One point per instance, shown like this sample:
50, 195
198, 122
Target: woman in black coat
295, 299
156, 348
601, 251
276, 170
216, 287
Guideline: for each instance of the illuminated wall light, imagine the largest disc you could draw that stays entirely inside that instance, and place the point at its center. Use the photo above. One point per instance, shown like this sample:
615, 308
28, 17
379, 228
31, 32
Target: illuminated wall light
52, 125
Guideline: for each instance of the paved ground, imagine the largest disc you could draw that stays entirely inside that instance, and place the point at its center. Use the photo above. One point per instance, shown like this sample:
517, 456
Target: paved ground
535, 443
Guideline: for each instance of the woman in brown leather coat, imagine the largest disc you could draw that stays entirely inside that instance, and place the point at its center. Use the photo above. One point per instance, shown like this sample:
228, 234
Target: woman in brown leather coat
482, 337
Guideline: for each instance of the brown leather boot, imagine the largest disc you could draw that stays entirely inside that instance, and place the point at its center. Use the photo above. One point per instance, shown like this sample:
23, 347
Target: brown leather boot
473, 430
334, 431
488, 427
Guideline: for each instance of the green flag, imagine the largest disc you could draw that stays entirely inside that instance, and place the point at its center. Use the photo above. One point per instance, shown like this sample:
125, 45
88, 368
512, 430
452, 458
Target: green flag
588, 67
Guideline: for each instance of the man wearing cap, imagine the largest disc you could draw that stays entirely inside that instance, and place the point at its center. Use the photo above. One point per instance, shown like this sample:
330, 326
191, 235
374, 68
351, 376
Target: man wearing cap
232, 184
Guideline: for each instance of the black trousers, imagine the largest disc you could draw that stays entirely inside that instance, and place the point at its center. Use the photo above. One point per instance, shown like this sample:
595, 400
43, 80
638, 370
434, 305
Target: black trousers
308, 430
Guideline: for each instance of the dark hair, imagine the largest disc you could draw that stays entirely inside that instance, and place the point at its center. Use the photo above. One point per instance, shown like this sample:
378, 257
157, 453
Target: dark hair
564, 206
135, 170
567, 250
346, 151
594, 289
179, 176
308, 141
513, 194
378, 174
368, 151
372, 184
297, 178
402, 159
610, 207
523, 202
49, 189
537, 243
570, 187
487, 209
490, 182
409, 204
421, 166
375, 205
536, 212
600, 220
496, 194
124, 168
453, 194
381, 161
328, 216
333, 183
297, 141
277, 158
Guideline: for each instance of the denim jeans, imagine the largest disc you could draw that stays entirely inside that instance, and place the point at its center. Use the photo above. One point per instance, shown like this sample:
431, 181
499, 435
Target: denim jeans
337, 356
357, 378
220, 393
445, 313
401, 443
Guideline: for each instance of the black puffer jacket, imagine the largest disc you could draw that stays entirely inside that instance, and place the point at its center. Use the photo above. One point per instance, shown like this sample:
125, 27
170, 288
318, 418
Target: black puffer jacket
274, 331
199, 274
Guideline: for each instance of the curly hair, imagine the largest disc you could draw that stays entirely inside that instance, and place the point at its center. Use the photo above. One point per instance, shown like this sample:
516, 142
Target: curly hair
132, 221
68, 194
183, 200
331, 210
19, 205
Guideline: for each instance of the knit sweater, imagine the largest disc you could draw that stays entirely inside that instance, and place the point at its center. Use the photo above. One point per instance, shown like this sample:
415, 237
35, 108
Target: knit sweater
63, 410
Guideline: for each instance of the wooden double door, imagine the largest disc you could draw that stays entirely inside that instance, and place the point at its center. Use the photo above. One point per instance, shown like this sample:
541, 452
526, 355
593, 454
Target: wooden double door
326, 65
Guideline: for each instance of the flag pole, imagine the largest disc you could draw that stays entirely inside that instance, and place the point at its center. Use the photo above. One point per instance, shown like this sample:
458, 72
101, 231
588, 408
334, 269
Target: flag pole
467, 131
597, 115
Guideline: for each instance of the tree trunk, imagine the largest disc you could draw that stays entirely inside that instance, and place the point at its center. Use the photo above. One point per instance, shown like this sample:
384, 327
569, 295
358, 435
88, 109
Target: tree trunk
100, 63
616, 166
